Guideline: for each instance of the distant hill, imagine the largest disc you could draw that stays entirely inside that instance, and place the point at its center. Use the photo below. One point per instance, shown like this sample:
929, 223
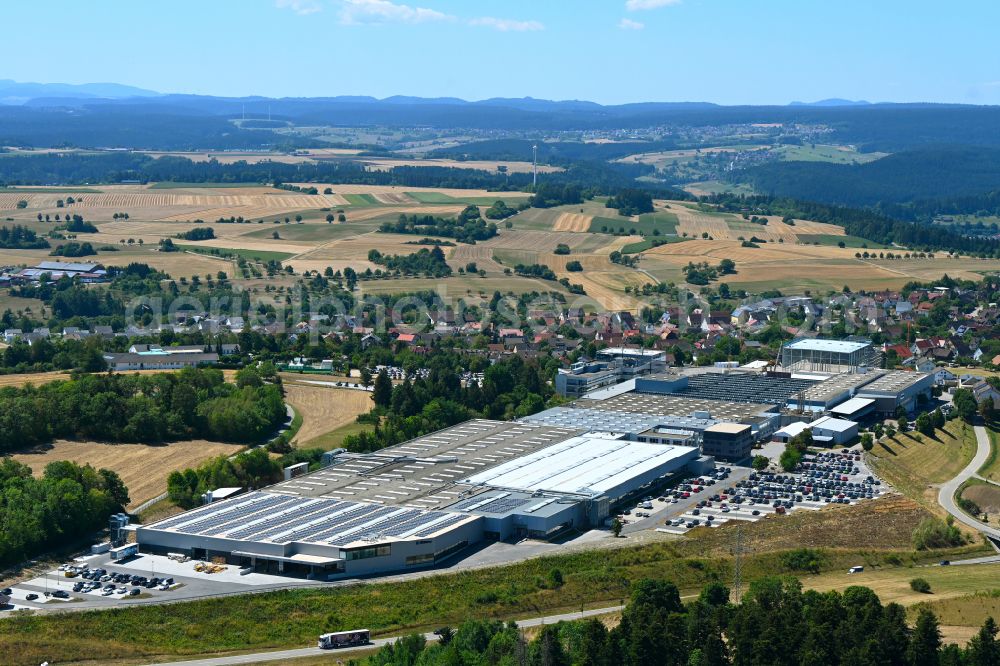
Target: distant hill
833, 101
14, 92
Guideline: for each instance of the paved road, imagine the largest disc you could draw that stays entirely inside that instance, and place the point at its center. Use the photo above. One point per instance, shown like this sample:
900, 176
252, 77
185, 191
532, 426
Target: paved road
299, 653
946, 497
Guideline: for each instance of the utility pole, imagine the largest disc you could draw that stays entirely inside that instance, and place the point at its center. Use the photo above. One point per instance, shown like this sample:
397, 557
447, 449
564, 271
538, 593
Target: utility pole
738, 565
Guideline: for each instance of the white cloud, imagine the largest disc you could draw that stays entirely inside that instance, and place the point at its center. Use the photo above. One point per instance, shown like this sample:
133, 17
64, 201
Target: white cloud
301, 7
629, 24
507, 25
639, 5
354, 12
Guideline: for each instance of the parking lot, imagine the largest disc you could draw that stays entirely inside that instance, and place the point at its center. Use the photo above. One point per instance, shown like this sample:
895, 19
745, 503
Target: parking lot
739, 493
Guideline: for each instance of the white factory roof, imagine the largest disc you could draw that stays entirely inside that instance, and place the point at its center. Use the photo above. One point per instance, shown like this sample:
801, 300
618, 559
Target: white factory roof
588, 465
630, 351
852, 406
815, 344
793, 429
612, 391
830, 423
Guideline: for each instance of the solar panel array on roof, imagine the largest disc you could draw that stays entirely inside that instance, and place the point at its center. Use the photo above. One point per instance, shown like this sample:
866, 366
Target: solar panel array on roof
281, 519
501, 503
743, 387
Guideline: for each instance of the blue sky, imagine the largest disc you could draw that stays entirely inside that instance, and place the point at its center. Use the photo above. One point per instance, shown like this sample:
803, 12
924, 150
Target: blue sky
610, 51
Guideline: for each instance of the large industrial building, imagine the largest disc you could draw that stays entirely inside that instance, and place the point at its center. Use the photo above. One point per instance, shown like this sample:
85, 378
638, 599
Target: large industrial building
422, 501
569, 467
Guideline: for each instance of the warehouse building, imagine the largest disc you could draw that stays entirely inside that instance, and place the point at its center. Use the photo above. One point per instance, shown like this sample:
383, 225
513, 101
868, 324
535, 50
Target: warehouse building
814, 354
422, 501
825, 430
895, 389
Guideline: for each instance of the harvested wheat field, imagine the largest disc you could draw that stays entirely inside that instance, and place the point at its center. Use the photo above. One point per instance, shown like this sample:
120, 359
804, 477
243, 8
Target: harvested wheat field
461, 255
800, 267
143, 468
545, 241
324, 409
35, 379
578, 222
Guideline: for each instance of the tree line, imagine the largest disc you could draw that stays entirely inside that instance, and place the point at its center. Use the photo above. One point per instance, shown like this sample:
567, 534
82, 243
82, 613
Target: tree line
422, 262
511, 388
251, 469
776, 623
868, 224
467, 228
20, 237
65, 504
191, 403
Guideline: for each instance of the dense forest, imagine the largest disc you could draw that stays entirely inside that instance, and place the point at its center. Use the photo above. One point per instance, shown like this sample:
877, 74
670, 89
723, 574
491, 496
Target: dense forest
132, 125
775, 624
80, 169
178, 122
163, 407
66, 503
924, 173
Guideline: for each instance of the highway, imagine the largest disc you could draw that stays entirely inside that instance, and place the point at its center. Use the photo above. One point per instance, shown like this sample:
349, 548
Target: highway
946, 496
299, 653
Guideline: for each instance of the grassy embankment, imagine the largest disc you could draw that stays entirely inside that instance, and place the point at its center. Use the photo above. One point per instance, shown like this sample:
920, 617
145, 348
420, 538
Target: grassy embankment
916, 464
876, 534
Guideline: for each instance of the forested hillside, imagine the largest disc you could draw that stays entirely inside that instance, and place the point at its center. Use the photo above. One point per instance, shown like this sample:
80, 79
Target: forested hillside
925, 173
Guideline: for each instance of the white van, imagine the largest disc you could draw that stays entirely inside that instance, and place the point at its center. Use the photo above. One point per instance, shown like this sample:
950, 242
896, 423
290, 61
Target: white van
854, 570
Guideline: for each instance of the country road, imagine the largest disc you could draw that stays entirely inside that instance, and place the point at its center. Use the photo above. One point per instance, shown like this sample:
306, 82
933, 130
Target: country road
946, 496
299, 653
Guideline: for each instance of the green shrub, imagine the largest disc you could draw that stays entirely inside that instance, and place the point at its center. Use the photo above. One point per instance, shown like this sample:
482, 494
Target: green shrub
920, 585
802, 559
936, 533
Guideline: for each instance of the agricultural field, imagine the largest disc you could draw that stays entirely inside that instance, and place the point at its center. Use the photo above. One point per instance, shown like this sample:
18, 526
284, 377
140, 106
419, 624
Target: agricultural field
291, 227
818, 152
795, 268
143, 468
706, 187
323, 409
